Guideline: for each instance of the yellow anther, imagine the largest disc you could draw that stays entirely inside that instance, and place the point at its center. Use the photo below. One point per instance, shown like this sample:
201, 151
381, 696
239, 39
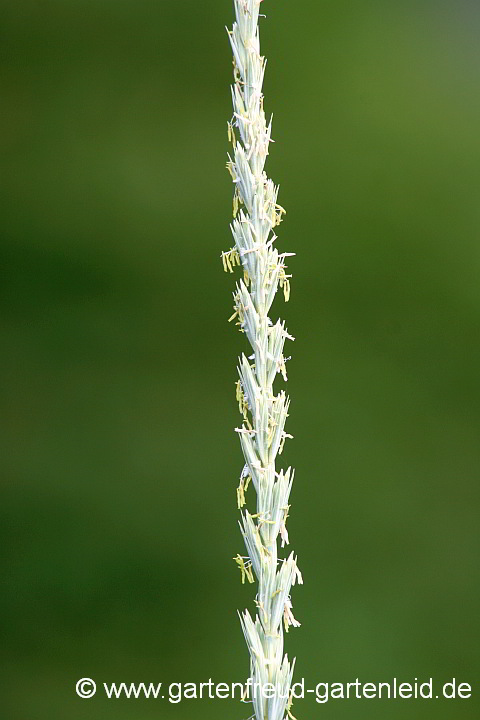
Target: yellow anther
244, 569
240, 496
231, 135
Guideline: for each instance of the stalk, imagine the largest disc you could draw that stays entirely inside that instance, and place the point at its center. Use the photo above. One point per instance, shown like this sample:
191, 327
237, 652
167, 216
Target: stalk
256, 214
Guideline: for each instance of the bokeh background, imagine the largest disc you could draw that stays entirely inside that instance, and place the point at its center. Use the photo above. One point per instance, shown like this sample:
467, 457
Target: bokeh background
118, 511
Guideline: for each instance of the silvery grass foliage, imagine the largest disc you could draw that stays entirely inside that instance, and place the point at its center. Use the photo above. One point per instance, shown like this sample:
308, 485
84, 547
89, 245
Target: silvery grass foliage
256, 214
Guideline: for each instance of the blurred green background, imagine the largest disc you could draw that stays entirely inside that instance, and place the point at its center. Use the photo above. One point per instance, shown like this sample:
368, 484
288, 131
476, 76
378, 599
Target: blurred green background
118, 510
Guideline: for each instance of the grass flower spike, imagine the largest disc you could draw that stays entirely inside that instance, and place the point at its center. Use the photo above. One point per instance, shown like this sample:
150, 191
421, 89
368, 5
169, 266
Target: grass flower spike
256, 213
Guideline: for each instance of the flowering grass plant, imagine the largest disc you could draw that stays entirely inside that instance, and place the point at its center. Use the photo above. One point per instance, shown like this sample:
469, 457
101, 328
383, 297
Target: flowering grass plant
256, 214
